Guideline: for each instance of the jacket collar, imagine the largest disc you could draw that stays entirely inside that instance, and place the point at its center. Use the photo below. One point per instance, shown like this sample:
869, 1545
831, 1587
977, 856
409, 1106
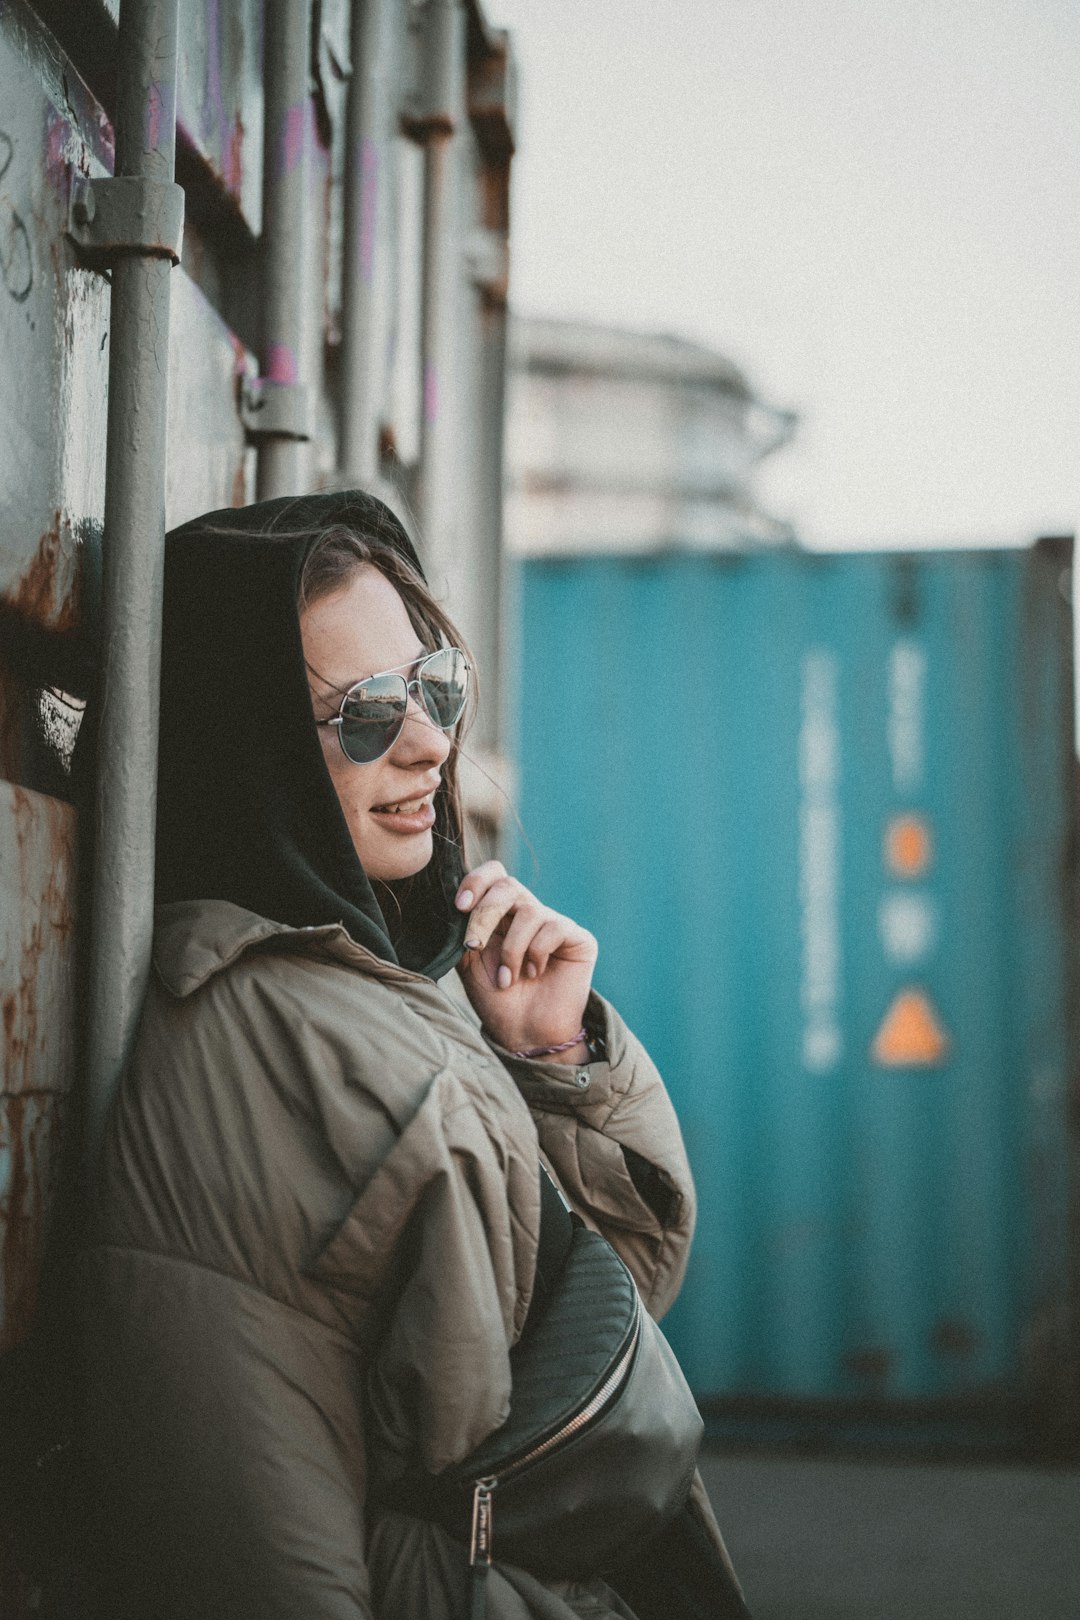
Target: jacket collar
195, 939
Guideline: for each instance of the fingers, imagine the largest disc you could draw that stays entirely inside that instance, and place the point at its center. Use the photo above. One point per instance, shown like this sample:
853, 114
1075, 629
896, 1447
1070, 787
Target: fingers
476, 884
531, 943
528, 934
502, 898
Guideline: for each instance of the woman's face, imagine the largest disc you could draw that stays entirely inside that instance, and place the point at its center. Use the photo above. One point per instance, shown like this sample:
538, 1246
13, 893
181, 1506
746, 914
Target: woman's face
359, 630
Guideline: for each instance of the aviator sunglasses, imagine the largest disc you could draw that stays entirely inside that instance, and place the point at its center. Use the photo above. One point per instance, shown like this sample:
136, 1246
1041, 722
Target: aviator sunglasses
373, 711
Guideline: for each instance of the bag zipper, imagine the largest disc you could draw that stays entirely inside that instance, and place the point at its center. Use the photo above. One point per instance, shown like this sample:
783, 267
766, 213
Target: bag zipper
482, 1537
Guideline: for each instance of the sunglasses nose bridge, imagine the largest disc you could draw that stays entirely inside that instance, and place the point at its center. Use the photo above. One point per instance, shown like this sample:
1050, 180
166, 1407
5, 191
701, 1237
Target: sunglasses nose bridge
414, 694
416, 707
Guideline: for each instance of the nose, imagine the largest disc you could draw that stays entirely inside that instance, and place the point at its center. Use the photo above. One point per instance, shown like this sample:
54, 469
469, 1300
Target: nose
420, 741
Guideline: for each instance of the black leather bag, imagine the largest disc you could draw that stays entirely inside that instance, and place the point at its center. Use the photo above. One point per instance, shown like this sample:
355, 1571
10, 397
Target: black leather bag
600, 1446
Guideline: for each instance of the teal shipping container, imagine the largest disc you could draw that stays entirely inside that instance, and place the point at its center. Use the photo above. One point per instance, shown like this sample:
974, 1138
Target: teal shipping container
819, 811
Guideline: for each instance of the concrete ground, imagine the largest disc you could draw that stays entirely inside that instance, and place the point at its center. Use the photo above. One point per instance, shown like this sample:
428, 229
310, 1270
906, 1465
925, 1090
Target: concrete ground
832, 1538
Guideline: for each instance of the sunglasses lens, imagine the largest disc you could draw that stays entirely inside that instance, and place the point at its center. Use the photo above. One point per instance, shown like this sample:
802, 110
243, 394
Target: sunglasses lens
371, 717
444, 685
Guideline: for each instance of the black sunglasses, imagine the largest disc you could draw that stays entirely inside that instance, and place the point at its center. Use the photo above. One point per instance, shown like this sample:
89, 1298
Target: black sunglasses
373, 711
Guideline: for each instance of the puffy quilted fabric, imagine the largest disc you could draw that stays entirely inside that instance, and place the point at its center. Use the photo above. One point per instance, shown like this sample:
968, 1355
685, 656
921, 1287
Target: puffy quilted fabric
566, 1356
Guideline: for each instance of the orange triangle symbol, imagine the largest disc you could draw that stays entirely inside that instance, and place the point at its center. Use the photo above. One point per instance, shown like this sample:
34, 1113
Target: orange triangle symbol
911, 1035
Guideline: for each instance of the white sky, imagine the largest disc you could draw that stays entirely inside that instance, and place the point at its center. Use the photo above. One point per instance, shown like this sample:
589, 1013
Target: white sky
871, 205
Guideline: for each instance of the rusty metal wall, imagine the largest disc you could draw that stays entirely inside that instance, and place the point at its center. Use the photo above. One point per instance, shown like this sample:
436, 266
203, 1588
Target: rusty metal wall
53, 317
57, 80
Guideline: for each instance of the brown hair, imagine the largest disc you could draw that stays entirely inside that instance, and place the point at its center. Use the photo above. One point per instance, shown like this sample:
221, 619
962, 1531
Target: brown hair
333, 558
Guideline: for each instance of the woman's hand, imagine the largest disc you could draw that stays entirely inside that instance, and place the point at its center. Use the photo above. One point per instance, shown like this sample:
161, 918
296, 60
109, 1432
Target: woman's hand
526, 969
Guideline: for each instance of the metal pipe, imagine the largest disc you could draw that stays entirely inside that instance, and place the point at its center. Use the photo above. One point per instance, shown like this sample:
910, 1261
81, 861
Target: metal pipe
491, 434
289, 311
125, 789
370, 188
443, 111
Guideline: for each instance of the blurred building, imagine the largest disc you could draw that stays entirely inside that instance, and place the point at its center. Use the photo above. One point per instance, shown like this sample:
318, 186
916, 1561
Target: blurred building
633, 442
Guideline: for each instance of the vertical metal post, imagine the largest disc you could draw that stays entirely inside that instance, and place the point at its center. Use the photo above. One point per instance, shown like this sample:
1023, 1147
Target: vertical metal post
488, 299
283, 417
370, 184
442, 113
496, 617
125, 792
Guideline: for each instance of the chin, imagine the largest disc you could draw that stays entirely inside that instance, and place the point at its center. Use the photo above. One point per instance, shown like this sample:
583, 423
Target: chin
401, 863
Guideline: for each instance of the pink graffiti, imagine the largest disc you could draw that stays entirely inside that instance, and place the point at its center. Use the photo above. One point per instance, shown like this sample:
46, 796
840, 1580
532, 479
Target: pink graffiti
155, 117
213, 111
57, 136
281, 364
293, 137
233, 161
369, 196
431, 394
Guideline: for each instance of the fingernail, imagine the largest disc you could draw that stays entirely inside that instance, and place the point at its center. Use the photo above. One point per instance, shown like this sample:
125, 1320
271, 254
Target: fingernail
530, 970
464, 900
504, 977
472, 944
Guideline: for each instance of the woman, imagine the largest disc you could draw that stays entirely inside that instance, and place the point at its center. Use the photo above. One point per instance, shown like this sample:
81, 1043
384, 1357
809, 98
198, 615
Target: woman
318, 1197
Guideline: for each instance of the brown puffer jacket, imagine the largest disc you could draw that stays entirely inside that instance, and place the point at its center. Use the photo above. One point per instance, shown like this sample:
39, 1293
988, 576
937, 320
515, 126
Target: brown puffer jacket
317, 1172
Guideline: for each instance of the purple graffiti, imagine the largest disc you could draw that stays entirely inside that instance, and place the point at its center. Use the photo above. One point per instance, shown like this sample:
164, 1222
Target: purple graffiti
281, 364
232, 163
152, 133
57, 137
369, 197
213, 111
160, 113
431, 394
294, 137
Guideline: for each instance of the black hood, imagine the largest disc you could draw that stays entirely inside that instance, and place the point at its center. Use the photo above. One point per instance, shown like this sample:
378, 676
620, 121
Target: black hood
246, 808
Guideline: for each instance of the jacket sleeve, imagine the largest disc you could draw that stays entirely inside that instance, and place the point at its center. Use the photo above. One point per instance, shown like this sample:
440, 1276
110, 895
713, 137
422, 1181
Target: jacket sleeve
440, 1248
610, 1134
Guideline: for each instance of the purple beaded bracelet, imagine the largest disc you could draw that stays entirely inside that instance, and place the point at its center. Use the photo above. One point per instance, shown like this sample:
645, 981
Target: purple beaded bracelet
549, 1051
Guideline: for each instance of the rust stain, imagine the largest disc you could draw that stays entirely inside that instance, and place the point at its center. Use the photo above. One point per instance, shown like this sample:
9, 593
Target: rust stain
872, 1363
39, 593
953, 1337
28, 1133
495, 196
12, 725
30, 1111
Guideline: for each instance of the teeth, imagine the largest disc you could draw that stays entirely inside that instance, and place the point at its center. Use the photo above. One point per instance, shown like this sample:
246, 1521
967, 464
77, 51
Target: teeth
408, 809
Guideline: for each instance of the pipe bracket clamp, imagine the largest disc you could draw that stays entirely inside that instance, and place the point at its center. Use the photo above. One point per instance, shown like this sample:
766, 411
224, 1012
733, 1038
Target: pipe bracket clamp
127, 214
488, 261
276, 410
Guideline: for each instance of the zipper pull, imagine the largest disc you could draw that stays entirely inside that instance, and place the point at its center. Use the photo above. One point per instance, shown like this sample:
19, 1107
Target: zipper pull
481, 1538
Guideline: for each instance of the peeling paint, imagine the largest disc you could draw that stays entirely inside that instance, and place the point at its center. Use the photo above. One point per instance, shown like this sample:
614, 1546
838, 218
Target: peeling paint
37, 863
219, 101
47, 592
29, 1141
